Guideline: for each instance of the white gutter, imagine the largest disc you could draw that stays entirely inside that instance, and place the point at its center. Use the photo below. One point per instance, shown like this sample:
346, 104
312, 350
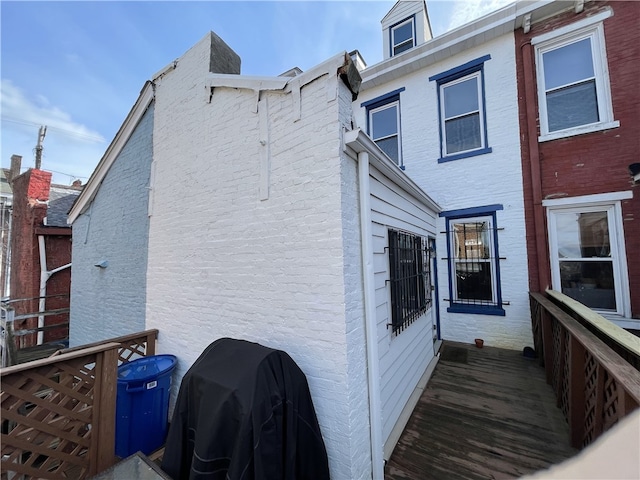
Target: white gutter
373, 365
359, 141
45, 275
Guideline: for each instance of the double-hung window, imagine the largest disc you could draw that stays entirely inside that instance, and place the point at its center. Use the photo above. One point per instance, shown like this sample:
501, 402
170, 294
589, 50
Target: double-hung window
573, 85
586, 246
403, 36
461, 101
474, 271
409, 277
383, 119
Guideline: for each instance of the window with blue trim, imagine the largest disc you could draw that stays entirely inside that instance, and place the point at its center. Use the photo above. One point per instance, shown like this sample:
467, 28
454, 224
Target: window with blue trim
461, 103
383, 121
402, 36
474, 270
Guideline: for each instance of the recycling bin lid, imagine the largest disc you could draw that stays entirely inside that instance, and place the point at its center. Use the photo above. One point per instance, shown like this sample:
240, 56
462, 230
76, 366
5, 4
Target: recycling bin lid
146, 368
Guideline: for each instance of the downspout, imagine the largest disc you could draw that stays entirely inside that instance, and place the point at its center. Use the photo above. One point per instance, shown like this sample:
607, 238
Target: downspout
373, 367
45, 275
7, 209
43, 287
534, 166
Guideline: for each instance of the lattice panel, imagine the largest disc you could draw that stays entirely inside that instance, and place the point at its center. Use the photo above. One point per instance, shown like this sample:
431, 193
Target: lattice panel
610, 402
536, 326
137, 348
590, 395
566, 375
46, 420
556, 371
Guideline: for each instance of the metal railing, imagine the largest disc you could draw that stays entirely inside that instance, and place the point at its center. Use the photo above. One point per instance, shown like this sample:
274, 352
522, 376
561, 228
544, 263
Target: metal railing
594, 386
25, 335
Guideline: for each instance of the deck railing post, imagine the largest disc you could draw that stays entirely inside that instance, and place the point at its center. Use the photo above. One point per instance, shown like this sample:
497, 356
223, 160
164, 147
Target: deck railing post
9, 352
104, 412
151, 343
576, 392
627, 403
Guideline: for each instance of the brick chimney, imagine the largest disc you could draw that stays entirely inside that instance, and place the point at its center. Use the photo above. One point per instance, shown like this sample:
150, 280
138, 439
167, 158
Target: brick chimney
16, 164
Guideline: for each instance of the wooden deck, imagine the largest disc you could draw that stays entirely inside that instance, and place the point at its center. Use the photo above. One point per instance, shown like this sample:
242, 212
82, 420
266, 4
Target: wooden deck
486, 413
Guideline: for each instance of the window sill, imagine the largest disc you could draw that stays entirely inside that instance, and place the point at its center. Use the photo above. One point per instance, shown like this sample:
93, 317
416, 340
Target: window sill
597, 127
477, 309
458, 156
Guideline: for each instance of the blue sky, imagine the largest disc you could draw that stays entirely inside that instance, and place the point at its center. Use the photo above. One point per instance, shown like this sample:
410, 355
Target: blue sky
78, 66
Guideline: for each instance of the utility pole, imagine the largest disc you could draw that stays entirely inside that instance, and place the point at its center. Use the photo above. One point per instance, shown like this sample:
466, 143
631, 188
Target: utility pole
41, 133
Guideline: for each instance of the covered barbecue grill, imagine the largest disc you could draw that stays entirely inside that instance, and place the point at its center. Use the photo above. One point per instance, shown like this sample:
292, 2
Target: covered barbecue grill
244, 411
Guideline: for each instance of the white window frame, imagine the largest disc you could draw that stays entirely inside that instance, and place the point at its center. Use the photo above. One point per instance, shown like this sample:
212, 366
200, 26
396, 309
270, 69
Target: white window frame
396, 104
591, 28
395, 45
611, 203
481, 114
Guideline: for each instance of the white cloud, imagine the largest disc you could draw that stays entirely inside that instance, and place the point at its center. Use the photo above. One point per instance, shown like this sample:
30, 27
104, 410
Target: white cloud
17, 108
465, 11
71, 149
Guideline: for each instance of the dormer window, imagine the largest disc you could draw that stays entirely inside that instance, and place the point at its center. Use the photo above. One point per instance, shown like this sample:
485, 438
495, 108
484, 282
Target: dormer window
403, 36
404, 27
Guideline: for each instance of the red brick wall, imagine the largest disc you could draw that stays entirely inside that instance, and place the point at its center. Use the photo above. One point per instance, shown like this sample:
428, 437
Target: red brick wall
30, 191
595, 162
58, 248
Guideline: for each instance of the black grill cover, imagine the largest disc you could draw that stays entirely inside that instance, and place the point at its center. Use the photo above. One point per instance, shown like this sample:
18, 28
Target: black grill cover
244, 412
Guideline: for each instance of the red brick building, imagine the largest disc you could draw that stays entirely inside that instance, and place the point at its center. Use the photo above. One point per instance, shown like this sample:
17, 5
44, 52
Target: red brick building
41, 250
579, 105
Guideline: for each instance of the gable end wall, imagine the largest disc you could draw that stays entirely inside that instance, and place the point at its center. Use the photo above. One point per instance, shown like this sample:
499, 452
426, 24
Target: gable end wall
109, 302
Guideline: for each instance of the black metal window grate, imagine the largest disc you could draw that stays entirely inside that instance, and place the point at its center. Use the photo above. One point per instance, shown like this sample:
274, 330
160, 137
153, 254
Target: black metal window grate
473, 261
409, 262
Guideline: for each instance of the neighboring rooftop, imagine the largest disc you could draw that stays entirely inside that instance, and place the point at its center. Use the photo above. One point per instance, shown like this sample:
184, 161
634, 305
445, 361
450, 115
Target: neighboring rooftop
61, 198
5, 186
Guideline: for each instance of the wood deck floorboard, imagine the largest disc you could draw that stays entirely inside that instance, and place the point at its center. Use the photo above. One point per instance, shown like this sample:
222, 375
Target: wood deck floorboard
486, 413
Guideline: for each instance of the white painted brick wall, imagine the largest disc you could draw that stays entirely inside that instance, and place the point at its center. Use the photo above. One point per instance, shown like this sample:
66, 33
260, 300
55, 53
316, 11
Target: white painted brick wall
494, 178
223, 263
109, 302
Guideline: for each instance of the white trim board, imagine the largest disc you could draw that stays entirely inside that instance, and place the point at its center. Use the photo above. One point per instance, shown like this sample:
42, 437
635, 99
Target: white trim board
584, 200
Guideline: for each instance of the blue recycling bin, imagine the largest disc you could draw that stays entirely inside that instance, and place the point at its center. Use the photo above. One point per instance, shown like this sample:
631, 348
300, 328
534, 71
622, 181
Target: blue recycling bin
142, 404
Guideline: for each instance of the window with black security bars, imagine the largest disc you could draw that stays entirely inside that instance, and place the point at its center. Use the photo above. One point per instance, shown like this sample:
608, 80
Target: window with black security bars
473, 261
409, 262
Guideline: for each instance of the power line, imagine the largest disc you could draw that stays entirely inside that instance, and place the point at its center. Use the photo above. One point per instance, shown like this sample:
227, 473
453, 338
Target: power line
57, 129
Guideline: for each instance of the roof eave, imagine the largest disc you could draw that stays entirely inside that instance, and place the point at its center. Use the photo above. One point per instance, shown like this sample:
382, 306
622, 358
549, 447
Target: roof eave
359, 141
113, 150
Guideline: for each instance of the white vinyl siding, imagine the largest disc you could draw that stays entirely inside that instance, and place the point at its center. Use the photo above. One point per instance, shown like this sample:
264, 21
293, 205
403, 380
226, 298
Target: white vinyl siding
405, 357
